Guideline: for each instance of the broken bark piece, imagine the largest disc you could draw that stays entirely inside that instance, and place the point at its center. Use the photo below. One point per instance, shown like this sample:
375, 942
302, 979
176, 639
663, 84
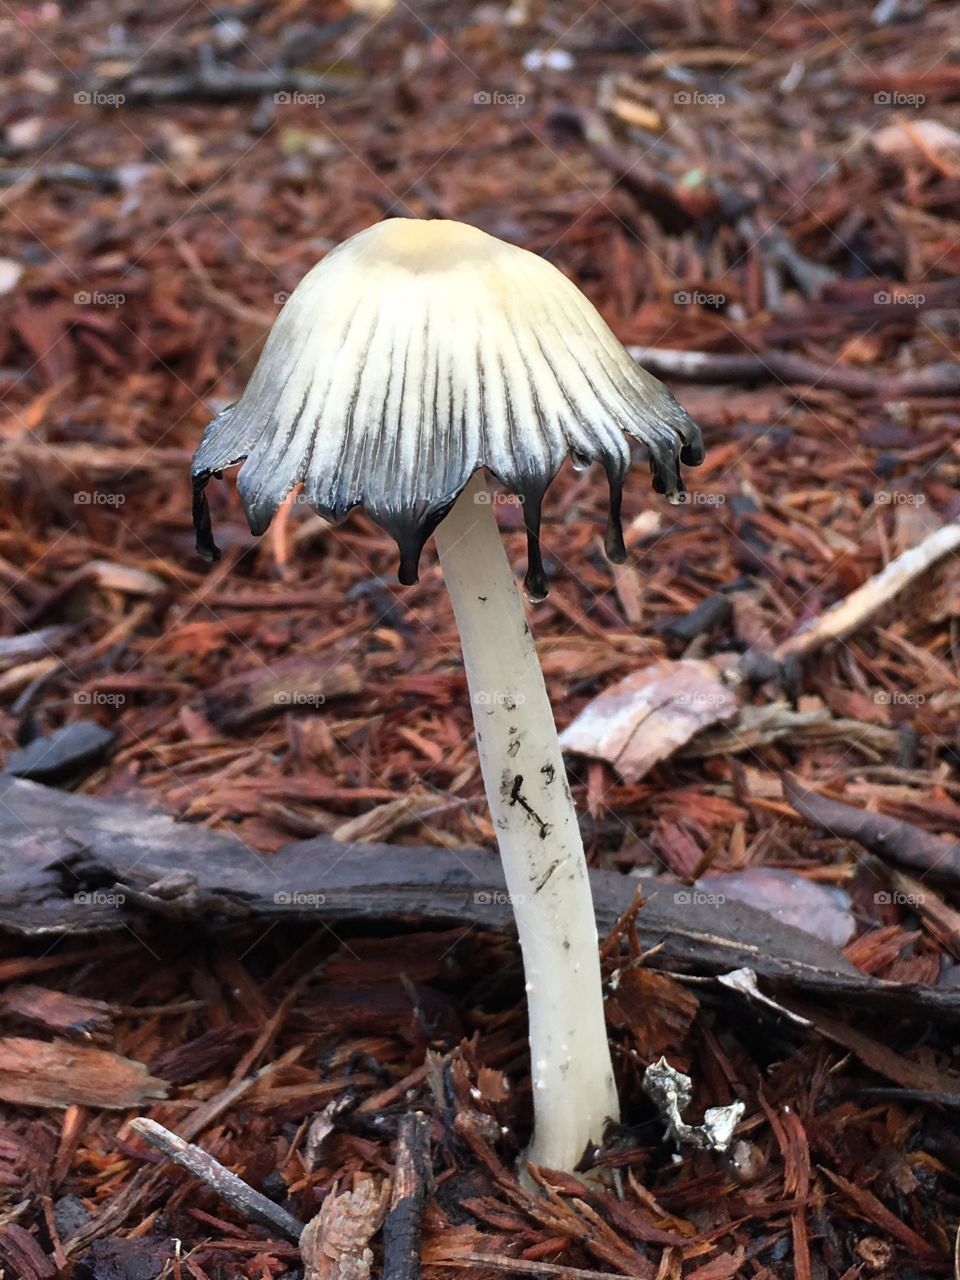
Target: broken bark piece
336, 1243
225, 84
649, 715
21, 1256
874, 1211
411, 1185
672, 199
889, 838
251, 1204
324, 880
56, 1073
909, 1073
135, 1258
715, 611
56, 756
33, 644
56, 1010
941, 919
519, 1266
656, 1010
385, 819
759, 726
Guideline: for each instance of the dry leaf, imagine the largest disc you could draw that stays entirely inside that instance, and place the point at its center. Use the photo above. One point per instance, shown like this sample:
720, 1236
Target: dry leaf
649, 715
816, 908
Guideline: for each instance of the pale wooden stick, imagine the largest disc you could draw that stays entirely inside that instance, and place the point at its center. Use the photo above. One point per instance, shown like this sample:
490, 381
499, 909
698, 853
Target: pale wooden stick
851, 613
237, 1193
520, 1266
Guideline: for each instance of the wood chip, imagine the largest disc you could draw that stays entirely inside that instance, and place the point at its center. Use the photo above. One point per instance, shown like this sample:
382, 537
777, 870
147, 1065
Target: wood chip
58, 1073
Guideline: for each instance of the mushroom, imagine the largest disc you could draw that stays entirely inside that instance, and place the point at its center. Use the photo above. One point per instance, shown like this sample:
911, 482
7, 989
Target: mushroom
415, 356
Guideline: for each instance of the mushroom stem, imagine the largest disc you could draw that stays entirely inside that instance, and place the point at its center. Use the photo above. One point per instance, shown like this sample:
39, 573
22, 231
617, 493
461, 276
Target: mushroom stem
546, 872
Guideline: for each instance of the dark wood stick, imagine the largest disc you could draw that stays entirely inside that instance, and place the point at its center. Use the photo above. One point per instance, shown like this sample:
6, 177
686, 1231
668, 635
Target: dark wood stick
401, 1230
891, 839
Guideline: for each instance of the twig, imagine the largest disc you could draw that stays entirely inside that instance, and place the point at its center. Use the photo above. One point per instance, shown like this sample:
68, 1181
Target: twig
223, 84
499, 1262
811, 277
889, 838
237, 1193
401, 1230
852, 612
782, 366
81, 174
264, 319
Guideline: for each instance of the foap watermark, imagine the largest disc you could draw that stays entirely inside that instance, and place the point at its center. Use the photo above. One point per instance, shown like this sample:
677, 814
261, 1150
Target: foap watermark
698, 298
897, 698
96, 98
486, 499
493, 698
98, 298
298, 698
280, 297
495, 98
898, 298
896, 898
698, 898
694, 98
718, 699
99, 898
498, 898
98, 498
700, 499
898, 498
896, 98
97, 698
294, 98
298, 898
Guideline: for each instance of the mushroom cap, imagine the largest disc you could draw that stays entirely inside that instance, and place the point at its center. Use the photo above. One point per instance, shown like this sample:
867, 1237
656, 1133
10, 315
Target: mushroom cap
417, 352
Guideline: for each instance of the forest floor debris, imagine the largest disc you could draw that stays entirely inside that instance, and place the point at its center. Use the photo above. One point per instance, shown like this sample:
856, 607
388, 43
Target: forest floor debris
764, 203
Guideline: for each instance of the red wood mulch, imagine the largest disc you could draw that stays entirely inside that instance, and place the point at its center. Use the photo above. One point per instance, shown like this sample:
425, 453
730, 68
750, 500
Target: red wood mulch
744, 180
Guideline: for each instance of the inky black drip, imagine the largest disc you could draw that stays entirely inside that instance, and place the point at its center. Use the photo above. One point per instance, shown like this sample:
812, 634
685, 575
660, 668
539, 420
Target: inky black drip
613, 543
411, 530
410, 536
665, 473
408, 573
692, 454
535, 582
207, 549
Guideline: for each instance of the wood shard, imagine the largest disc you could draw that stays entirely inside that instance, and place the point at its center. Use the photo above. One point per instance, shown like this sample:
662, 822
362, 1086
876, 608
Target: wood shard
58, 1073
56, 1010
851, 613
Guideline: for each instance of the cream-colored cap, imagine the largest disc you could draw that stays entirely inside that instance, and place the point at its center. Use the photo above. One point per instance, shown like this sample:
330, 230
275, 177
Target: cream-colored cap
417, 352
